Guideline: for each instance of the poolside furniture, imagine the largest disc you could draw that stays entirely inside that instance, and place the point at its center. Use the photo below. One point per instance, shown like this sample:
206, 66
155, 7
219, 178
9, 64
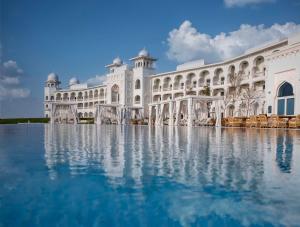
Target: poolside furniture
248, 122
276, 122
211, 122
235, 122
263, 120
294, 122
254, 121
226, 122
223, 121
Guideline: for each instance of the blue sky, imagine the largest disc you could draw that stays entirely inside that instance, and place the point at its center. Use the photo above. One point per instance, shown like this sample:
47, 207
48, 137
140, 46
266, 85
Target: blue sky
77, 38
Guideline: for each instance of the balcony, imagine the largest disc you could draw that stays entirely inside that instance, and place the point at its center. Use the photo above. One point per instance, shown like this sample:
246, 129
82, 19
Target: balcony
156, 90
167, 89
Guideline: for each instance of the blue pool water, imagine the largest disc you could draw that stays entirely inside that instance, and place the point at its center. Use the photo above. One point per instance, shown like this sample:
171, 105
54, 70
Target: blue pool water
89, 175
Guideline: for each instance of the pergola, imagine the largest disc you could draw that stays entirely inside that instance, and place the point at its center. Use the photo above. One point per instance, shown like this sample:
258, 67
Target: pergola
120, 114
175, 108
63, 113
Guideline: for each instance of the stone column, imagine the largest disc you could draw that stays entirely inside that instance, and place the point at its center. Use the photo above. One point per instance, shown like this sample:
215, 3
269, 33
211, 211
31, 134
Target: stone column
177, 114
190, 112
150, 115
171, 113
218, 113
156, 114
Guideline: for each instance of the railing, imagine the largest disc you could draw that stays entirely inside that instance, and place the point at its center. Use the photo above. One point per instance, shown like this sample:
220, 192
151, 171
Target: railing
156, 89
258, 74
167, 89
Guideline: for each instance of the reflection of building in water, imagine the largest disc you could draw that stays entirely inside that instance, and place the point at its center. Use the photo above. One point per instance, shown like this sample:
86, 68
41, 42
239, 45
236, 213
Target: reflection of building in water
233, 157
284, 151
83, 148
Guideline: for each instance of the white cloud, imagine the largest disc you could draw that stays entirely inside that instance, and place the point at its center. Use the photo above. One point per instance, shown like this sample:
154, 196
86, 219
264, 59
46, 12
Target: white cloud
186, 43
241, 3
96, 80
10, 82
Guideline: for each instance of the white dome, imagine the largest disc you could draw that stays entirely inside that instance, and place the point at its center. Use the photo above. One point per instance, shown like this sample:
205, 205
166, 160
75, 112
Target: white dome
143, 53
52, 77
73, 81
117, 61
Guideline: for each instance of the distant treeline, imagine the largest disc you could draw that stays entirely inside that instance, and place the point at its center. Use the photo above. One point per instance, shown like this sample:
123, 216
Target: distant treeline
23, 120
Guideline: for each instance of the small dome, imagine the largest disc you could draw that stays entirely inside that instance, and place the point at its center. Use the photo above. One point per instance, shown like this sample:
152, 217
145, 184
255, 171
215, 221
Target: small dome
73, 81
52, 77
143, 53
117, 61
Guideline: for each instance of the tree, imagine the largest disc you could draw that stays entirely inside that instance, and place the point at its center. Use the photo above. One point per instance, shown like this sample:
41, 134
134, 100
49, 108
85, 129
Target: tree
234, 91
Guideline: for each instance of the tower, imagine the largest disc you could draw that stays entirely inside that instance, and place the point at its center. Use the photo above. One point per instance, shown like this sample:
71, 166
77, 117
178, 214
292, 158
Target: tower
143, 67
51, 85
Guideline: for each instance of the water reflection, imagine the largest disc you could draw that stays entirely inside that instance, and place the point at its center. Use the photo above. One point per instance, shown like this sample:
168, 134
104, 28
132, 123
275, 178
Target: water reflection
201, 173
230, 157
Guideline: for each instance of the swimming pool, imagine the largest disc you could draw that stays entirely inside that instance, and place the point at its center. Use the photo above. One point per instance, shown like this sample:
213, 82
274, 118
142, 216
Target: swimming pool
88, 175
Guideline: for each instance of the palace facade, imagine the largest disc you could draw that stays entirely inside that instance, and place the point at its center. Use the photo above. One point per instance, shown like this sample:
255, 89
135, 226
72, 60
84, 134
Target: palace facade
264, 80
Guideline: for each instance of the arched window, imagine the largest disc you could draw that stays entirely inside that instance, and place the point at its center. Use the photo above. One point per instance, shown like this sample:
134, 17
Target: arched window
285, 99
115, 94
137, 99
285, 90
58, 97
137, 84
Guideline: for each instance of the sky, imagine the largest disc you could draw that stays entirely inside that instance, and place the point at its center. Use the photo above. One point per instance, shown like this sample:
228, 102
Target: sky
77, 38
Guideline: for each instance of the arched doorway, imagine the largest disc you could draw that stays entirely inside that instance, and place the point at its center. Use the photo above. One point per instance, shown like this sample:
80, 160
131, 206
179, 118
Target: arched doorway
285, 99
115, 94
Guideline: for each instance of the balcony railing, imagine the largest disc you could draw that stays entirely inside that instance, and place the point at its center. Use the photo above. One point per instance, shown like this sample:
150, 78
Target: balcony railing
258, 74
156, 89
167, 89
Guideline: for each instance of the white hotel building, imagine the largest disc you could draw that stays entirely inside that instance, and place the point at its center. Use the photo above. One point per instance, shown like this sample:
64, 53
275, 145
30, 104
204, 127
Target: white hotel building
264, 80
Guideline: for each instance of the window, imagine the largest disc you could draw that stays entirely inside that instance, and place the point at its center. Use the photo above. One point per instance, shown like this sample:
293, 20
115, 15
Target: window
115, 94
222, 80
137, 99
269, 109
137, 84
285, 90
46, 97
285, 100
